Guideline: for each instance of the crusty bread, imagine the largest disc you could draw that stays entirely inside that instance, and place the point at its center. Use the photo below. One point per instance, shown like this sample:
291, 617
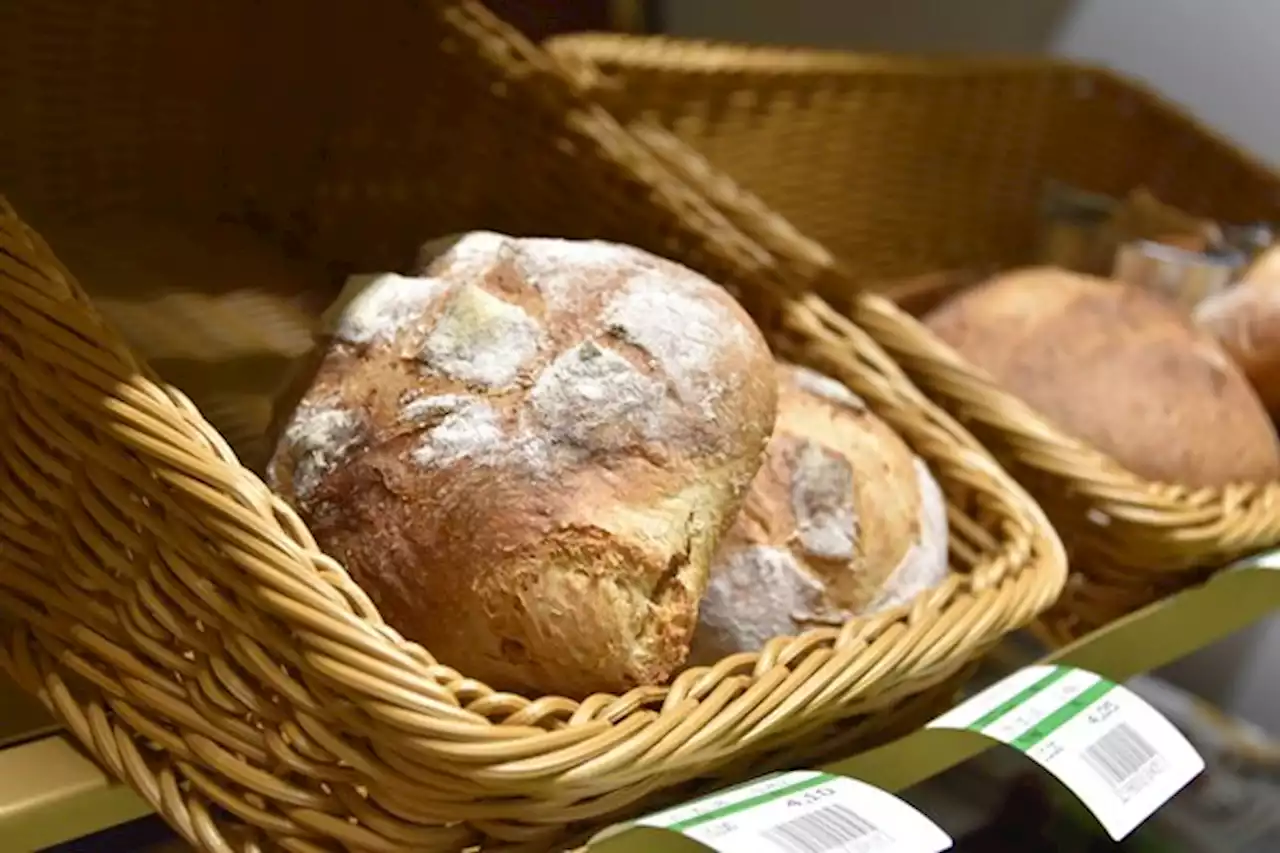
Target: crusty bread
527, 454
1245, 319
1115, 366
841, 520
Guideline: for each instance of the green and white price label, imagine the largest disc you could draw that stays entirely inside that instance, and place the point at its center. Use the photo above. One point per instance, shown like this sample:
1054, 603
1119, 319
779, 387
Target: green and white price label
803, 812
1115, 752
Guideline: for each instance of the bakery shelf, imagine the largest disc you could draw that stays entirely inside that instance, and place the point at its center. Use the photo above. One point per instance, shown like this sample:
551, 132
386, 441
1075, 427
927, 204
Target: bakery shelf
62, 795
51, 793
21, 717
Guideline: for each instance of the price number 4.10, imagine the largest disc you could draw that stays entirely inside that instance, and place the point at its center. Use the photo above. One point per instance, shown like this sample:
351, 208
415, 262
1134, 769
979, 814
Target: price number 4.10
812, 795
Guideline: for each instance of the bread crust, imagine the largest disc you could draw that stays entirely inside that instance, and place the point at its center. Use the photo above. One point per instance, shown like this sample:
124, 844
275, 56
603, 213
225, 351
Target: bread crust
1115, 366
842, 519
1245, 320
527, 453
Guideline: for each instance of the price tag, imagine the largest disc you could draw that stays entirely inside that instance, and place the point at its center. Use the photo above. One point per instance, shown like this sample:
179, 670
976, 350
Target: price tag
1115, 752
1265, 560
803, 812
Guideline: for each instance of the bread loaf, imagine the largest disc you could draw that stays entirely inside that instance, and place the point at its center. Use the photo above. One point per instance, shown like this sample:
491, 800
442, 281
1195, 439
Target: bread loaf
1245, 320
841, 520
1115, 366
527, 452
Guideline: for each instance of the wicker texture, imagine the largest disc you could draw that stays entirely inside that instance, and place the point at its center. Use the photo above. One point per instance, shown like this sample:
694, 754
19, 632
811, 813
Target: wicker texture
180, 619
902, 166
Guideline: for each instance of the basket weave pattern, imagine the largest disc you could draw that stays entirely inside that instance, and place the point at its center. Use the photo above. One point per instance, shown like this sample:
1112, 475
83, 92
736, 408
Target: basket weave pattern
180, 619
893, 167
901, 165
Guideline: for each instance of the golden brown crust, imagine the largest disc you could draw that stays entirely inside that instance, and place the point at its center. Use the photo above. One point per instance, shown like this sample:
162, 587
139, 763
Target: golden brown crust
839, 507
1116, 367
1245, 320
815, 436
527, 455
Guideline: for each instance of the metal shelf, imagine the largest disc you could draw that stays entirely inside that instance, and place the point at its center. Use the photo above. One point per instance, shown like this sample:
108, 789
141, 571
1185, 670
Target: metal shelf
62, 795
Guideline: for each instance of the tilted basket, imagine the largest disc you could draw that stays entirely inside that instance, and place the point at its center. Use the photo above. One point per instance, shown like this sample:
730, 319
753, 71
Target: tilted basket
179, 618
900, 167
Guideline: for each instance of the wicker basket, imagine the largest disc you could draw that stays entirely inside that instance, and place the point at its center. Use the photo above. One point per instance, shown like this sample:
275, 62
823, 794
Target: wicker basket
900, 167
179, 618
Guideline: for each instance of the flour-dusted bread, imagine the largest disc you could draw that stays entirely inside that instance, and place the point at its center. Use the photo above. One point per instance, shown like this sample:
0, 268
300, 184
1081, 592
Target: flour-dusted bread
1118, 368
841, 520
527, 452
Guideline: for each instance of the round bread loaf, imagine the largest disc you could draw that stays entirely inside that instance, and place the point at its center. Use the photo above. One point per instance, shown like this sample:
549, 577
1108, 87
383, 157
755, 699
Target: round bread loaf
841, 520
1117, 367
1245, 320
527, 454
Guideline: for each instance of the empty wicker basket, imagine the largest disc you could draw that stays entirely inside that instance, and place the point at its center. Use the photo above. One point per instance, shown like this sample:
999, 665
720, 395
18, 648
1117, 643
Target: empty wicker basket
905, 166
180, 619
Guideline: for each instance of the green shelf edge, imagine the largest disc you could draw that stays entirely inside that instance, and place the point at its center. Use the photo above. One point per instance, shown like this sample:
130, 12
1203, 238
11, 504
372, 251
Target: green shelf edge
1164, 632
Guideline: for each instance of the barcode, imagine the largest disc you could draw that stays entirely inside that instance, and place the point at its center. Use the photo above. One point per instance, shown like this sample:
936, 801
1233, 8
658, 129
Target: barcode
830, 828
1119, 755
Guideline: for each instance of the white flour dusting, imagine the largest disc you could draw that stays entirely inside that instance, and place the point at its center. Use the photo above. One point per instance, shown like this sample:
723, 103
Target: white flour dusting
463, 255
556, 253
481, 340
432, 252
813, 382
427, 410
822, 501
589, 399
686, 333
595, 399
925, 565
470, 428
735, 617
383, 305
564, 271
756, 593
318, 438
471, 431
557, 268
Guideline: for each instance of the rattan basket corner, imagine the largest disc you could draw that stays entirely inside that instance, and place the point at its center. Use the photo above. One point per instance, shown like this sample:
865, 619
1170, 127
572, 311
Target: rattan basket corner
898, 166
180, 619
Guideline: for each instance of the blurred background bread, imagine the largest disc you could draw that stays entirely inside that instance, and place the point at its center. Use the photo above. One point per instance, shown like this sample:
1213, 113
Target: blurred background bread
216, 310
1118, 368
841, 520
1245, 319
528, 453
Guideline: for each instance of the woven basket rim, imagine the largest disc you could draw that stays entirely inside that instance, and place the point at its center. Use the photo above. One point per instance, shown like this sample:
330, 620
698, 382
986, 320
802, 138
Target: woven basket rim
350, 685
958, 587
709, 55
1231, 494
1110, 487
712, 57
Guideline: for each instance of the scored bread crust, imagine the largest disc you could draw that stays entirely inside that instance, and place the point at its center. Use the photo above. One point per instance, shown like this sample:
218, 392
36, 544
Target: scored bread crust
841, 520
527, 453
1114, 365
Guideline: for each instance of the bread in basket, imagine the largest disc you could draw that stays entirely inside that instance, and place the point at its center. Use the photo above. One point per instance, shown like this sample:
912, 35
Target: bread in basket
177, 616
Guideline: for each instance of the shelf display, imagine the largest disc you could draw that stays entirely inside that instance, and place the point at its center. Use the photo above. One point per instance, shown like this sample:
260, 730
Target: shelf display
859, 153
185, 622
321, 530
1142, 642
